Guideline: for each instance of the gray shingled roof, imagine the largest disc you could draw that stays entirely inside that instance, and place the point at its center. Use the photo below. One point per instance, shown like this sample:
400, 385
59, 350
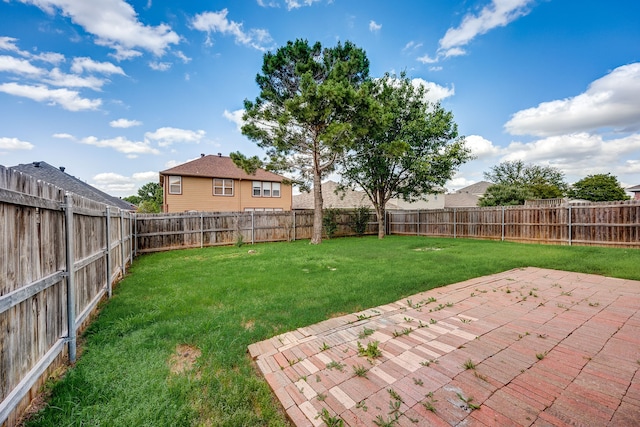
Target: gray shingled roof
467, 197
634, 189
351, 199
219, 167
58, 177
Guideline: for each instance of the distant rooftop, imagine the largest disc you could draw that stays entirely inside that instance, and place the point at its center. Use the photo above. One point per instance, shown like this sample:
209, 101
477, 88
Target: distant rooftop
219, 166
58, 177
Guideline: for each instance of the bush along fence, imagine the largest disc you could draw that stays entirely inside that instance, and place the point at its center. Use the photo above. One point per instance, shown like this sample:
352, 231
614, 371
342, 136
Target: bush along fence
614, 224
60, 255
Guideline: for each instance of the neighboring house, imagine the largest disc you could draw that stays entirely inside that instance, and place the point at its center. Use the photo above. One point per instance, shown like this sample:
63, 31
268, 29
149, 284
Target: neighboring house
58, 177
466, 197
636, 191
350, 199
215, 184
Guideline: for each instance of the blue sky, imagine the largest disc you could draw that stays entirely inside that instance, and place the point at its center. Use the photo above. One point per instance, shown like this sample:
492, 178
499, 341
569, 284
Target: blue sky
117, 91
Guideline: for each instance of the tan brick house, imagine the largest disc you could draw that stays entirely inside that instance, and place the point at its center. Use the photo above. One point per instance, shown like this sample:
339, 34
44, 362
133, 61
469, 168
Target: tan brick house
214, 183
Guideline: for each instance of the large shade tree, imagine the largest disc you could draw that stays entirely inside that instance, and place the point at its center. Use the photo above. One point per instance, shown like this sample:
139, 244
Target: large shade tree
411, 149
598, 188
515, 181
304, 116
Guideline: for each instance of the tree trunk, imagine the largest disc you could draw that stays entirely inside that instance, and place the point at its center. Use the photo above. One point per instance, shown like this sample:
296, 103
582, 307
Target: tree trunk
380, 212
316, 238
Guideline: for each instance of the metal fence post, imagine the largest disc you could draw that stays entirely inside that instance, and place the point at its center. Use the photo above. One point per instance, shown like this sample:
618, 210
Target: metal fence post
454, 224
570, 224
71, 284
252, 228
503, 223
135, 236
122, 256
108, 213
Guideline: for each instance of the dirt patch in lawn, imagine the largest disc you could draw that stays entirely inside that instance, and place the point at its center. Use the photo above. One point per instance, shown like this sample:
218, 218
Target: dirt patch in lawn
184, 359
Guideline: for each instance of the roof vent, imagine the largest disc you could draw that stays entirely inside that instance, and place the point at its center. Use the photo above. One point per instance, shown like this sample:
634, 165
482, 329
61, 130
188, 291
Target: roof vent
219, 154
62, 168
36, 164
201, 154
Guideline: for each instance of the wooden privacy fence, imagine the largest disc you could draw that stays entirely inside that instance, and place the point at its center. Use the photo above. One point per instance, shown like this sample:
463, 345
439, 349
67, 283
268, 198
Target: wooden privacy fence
60, 255
598, 224
161, 232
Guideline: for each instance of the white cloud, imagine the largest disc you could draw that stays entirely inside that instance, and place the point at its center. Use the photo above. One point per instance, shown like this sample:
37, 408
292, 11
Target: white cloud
295, 4
124, 123
435, 92
19, 66
426, 59
58, 78
82, 64
217, 22
50, 57
111, 183
498, 14
64, 136
579, 154
9, 43
374, 27
166, 136
122, 145
184, 58
67, 99
612, 101
481, 147
159, 66
412, 45
115, 24
235, 117
145, 176
14, 144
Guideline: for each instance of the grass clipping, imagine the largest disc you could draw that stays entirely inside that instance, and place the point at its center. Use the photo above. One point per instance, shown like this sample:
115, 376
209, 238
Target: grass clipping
183, 360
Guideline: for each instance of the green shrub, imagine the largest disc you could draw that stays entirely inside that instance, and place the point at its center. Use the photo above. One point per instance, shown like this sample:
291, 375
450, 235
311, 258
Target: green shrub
360, 220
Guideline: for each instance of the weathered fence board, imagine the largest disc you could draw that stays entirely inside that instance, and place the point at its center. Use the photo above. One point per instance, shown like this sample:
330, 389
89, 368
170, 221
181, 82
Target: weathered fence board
601, 224
34, 297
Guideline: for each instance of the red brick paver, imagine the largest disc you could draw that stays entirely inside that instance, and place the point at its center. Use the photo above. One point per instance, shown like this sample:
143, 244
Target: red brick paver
525, 347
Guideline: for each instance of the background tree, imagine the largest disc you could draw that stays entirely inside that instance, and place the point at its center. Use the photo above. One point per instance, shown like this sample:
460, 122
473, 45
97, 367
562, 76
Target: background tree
411, 148
517, 182
304, 114
598, 188
149, 198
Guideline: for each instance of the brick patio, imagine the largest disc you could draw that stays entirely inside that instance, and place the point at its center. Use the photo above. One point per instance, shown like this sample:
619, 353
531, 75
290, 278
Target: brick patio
541, 347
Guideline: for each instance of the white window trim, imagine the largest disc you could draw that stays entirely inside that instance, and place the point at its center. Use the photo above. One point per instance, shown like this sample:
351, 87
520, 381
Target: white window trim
179, 184
254, 188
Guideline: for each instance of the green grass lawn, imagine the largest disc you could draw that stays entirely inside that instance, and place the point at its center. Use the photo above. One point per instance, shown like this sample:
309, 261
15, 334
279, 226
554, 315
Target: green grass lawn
219, 300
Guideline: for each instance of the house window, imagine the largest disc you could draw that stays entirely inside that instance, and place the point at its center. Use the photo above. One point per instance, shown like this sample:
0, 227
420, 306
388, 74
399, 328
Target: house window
266, 189
222, 187
175, 185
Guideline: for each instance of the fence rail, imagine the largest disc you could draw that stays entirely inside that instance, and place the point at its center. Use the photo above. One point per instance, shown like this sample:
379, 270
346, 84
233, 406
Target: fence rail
59, 256
614, 224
